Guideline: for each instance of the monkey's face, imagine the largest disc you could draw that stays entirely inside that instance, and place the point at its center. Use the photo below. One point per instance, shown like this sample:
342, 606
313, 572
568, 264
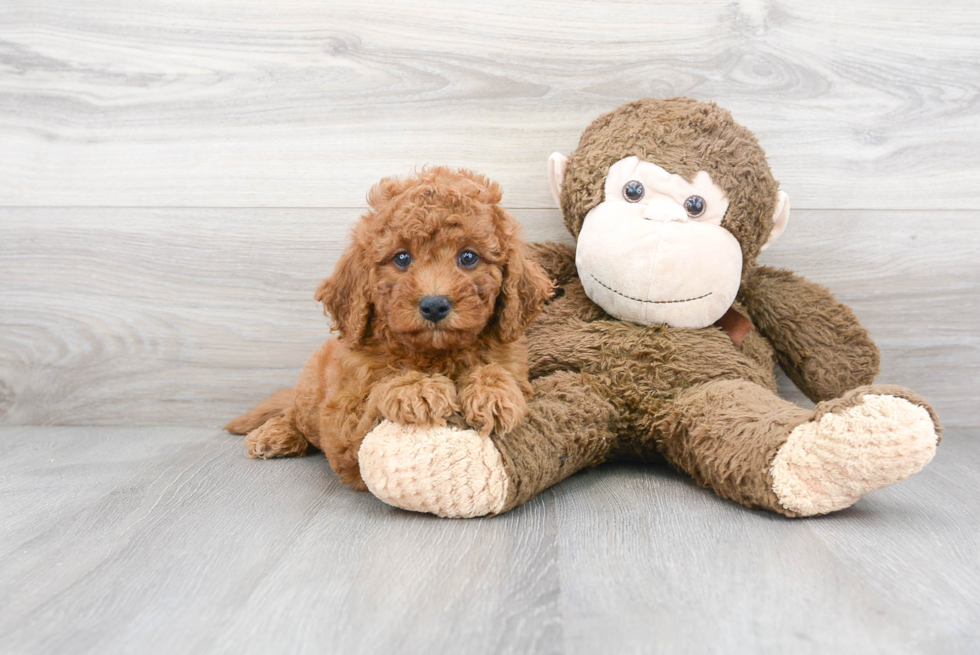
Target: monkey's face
654, 250
668, 200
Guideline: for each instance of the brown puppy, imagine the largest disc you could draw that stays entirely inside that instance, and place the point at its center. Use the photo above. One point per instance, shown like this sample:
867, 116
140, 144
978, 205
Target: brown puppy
430, 301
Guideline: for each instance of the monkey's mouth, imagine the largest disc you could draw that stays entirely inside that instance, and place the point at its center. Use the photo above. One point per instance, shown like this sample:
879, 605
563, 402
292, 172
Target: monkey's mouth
643, 300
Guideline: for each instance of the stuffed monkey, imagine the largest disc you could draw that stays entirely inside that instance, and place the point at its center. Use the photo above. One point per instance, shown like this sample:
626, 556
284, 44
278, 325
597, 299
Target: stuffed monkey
663, 344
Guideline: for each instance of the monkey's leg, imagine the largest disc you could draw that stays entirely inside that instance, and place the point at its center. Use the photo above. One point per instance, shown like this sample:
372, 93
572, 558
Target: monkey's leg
456, 473
748, 445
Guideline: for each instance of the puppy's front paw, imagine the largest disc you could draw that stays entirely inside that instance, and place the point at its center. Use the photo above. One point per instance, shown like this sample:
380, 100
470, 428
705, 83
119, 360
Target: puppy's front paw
492, 401
417, 399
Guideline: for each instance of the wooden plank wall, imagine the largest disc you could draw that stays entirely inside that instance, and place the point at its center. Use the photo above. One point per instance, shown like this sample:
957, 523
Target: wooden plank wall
175, 177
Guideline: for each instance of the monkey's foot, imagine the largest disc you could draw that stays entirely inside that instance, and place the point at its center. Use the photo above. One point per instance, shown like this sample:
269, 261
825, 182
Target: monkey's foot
867, 440
445, 471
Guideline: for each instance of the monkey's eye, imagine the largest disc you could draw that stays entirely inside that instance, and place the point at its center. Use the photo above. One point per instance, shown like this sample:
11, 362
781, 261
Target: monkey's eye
467, 259
633, 191
402, 259
694, 206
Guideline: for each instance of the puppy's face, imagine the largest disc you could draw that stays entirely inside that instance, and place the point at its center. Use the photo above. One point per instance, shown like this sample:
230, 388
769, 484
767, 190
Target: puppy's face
441, 263
439, 293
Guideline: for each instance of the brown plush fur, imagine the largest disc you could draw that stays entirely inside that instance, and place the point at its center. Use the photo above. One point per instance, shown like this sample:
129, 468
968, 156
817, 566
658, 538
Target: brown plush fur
683, 136
826, 351
606, 389
389, 361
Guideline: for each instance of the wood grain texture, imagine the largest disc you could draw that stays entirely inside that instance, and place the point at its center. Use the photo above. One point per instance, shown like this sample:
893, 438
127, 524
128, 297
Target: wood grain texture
168, 540
171, 541
177, 175
188, 316
179, 316
652, 563
306, 104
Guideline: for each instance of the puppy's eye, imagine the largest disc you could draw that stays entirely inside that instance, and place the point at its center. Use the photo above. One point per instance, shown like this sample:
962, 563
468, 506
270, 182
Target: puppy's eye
402, 259
467, 259
694, 206
633, 191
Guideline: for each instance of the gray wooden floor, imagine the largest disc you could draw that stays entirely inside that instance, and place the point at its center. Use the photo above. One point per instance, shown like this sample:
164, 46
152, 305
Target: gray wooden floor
168, 540
176, 176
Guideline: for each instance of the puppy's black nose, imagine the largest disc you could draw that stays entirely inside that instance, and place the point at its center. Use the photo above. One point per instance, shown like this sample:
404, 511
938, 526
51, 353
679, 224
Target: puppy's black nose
435, 308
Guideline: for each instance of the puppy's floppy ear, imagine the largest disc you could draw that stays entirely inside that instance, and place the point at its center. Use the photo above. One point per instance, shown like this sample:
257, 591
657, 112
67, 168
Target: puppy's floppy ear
346, 296
523, 291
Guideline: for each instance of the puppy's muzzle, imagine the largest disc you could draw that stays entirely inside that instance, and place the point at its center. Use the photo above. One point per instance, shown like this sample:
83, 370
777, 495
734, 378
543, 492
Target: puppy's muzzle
435, 308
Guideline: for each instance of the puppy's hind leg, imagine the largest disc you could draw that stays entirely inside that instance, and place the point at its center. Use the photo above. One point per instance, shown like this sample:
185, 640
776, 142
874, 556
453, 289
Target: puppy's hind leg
277, 437
274, 405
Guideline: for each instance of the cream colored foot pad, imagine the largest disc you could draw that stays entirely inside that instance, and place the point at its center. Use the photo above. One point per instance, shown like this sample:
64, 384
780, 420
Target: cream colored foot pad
829, 464
444, 471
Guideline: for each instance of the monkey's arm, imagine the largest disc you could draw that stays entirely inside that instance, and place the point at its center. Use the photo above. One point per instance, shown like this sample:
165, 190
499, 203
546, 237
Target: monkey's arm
557, 259
819, 342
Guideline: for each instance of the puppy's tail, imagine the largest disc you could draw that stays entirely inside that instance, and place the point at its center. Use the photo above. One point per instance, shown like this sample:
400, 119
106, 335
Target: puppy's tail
271, 407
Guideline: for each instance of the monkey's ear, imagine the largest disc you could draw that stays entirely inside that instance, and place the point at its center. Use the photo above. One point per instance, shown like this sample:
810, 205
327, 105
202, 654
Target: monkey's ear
779, 219
557, 163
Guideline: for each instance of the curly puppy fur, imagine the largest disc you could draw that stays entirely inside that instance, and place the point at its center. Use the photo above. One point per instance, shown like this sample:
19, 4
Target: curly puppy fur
391, 362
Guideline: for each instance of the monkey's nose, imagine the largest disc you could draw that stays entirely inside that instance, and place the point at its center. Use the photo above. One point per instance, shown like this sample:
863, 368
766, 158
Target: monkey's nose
664, 209
435, 308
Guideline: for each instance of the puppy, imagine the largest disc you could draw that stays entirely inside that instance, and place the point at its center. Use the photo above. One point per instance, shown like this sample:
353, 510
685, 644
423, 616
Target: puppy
430, 302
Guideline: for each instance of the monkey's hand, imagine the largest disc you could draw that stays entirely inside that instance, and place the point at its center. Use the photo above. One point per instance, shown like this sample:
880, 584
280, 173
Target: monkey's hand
819, 342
